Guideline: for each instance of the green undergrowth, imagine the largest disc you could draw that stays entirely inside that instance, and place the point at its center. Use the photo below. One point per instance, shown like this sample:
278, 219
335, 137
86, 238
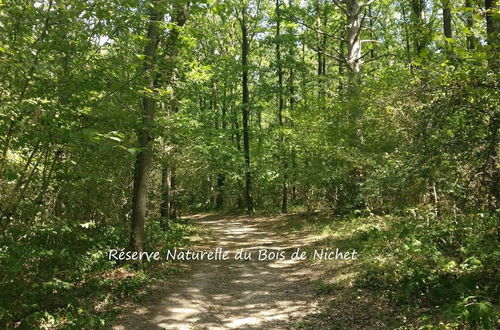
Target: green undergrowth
59, 276
438, 272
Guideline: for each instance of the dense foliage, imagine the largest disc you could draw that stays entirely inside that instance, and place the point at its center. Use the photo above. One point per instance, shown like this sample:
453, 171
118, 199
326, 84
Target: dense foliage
125, 112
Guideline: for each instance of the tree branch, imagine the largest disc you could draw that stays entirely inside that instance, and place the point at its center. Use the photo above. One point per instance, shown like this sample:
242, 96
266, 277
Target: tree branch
314, 29
341, 7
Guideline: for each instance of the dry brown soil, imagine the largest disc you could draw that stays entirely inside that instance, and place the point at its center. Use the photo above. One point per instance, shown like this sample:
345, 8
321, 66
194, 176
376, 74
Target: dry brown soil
233, 294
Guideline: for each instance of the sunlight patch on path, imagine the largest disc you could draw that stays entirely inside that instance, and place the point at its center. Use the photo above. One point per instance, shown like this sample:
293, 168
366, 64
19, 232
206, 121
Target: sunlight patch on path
234, 294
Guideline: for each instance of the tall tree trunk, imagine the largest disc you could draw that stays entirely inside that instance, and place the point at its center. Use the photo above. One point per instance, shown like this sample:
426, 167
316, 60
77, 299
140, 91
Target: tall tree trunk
448, 33
245, 110
319, 51
471, 42
447, 29
143, 159
291, 90
237, 141
354, 42
221, 178
142, 167
418, 18
281, 101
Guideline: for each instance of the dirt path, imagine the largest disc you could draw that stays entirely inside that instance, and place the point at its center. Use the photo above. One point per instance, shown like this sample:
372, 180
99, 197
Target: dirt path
232, 294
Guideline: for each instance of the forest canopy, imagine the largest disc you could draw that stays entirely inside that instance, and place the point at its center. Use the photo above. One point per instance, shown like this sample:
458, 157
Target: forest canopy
120, 117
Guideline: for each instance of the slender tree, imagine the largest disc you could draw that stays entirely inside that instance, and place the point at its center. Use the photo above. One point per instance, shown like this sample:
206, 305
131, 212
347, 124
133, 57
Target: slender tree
419, 30
354, 41
447, 28
143, 159
142, 167
245, 106
281, 103
471, 41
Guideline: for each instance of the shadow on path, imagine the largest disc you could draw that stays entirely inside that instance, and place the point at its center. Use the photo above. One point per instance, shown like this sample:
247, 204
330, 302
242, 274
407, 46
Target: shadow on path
230, 294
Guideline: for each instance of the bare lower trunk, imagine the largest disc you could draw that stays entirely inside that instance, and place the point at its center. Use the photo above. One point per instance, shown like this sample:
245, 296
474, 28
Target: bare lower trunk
165, 204
140, 197
219, 194
174, 198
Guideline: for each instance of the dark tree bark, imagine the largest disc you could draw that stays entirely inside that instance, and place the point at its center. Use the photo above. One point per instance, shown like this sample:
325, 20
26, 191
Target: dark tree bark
165, 187
319, 46
143, 159
291, 90
447, 29
471, 41
219, 197
174, 197
142, 167
221, 179
418, 18
281, 102
245, 109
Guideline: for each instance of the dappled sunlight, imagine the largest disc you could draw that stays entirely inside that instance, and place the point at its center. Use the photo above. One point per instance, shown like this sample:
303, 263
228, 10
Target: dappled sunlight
231, 294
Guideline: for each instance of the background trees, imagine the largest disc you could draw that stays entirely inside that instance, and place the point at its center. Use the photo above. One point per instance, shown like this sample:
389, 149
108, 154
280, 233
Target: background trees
126, 111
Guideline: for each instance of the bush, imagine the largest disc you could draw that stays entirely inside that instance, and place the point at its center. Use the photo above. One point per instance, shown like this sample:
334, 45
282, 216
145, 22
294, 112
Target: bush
448, 263
60, 275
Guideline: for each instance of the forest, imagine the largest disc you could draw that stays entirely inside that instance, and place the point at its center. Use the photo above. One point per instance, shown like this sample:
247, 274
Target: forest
149, 125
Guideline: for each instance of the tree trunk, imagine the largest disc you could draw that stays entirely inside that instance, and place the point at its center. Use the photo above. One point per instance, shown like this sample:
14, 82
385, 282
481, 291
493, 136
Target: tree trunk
319, 51
165, 187
418, 17
448, 33
471, 42
143, 159
245, 110
354, 42
281, 101
219, 193
291, 90
221, 179
142, 167
447, 30
174, 194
